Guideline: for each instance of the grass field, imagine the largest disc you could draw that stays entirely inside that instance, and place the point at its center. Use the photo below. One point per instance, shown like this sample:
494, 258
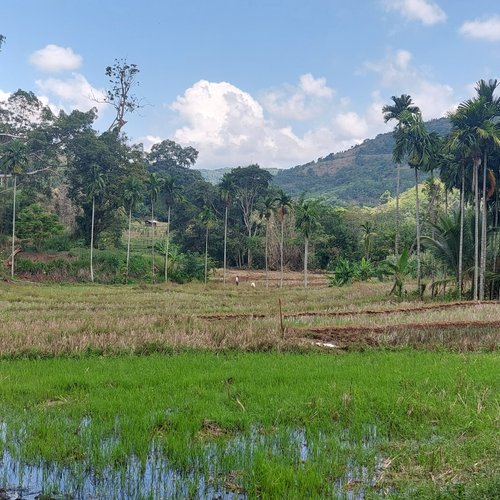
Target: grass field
172, 391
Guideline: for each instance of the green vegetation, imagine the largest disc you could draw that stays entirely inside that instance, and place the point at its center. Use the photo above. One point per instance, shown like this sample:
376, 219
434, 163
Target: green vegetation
220, 415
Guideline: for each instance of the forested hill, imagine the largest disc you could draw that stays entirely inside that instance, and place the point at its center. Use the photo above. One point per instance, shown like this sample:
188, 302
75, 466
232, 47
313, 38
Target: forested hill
358, 176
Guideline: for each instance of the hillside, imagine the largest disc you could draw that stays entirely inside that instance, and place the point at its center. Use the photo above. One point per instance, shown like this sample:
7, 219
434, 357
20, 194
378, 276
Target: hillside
215, 176
358, 176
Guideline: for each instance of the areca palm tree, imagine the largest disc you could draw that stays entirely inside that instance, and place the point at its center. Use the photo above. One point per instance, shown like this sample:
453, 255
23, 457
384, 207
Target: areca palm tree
15, 160
207, 219
226, 189
96, 188
172, 195
154, 187
472, 133
401, 107
266, 213
132, 193
283, 203
307, 223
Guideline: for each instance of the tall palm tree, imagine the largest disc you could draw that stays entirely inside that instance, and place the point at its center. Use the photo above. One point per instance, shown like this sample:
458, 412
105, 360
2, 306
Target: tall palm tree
397, 111
367, 237
15, 160
154, 187
96, 188
132, 194
172, 194
283, 203
207, 219
472, 133
226, 189
307, 223
267, 212
485, 91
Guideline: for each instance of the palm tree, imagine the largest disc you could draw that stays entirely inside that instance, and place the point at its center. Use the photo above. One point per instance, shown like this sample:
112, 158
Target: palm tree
207, 219
154, 185
283, 203
367, 237
15, 160
266, 213
96, 188
398, 270
397, 111
307, 223
419, 147
472, 133
132, 194
226, 189
172, 195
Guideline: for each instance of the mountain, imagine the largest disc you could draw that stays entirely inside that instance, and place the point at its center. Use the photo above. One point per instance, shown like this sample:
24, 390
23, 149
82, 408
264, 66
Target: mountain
215, 176
358, 176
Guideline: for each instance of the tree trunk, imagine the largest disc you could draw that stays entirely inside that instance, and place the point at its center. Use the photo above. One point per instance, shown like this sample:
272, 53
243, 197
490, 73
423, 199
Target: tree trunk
153, 239
484, 223
167, 245
461, 242
225, 246
206, 255
92, 241
398, 187
281, 250
476, 227
306, 254
417, 216
266, 254
128, 242
249, 251
13, 256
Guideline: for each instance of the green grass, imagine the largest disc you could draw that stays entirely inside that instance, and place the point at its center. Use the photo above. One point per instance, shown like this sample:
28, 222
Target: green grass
436, 417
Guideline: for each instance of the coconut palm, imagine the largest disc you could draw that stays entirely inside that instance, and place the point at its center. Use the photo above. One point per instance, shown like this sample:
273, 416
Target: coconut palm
154, 186
367, 237
396, 111
15, 161
207, 220
96, 188
172, 195
283, 203
307, 223
132, 194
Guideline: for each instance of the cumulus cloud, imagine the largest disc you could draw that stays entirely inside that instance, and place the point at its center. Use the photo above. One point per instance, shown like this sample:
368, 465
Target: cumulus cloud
229, 127
487, 28
54, 58
425, 11
4, 95
399, 76
149, 141
71, 93
298, 102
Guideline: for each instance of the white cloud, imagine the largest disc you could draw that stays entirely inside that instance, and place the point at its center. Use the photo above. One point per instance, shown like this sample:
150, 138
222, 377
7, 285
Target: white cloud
149, 141
72, 93
487, 28
425, 11
229, 127
298, 102
4, 95
53, 58
399, 76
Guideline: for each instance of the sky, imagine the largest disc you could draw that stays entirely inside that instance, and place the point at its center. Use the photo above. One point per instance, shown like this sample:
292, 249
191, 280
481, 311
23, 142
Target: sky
274, 82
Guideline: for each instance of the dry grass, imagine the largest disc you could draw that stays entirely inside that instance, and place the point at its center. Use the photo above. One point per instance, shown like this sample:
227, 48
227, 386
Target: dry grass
62, 319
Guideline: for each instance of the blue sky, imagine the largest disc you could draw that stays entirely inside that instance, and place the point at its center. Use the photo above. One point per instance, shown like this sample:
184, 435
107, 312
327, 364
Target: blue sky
274, 82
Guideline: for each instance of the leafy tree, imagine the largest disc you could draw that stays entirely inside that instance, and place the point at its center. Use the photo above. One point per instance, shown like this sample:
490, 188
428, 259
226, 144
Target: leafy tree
122, 77
170, 155
37, 224
249, 184
172, 194
15, 161
267, 212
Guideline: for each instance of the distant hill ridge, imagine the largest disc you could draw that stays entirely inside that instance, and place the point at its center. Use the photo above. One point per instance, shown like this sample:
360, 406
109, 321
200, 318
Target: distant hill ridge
358, 176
